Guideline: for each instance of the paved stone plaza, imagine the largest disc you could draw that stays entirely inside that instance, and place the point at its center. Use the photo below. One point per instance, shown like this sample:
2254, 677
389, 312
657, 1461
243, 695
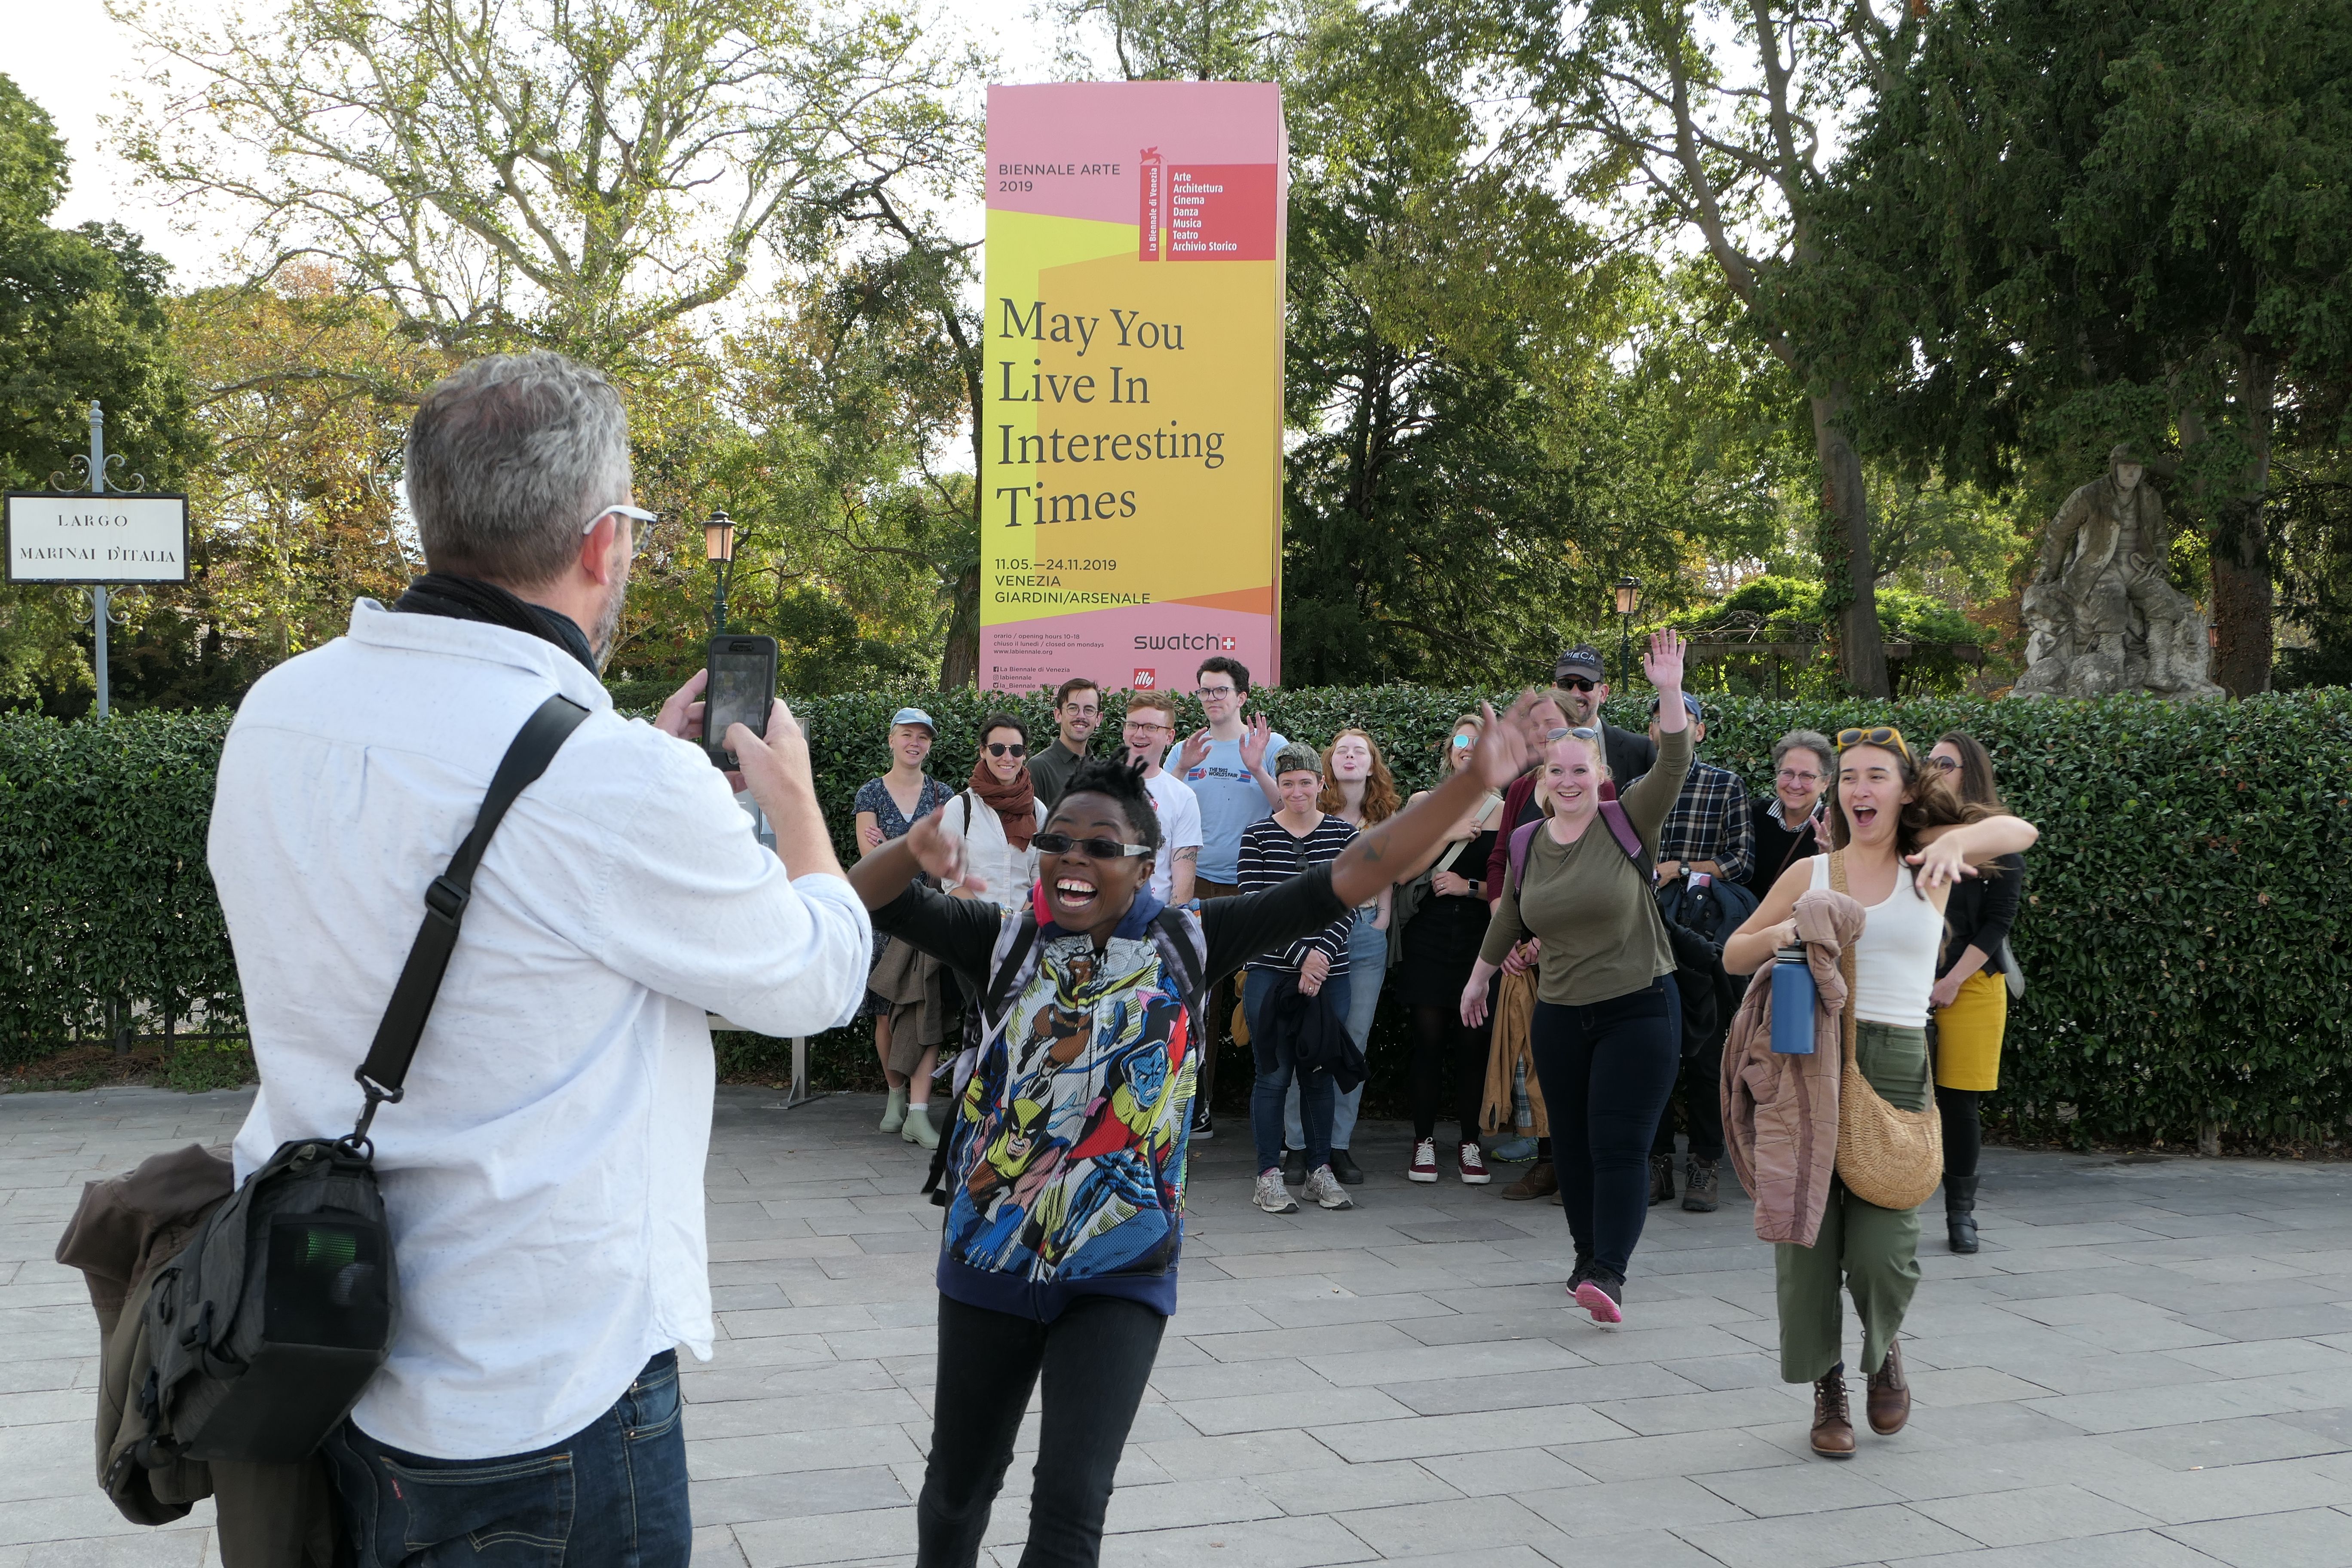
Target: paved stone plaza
2148, 1365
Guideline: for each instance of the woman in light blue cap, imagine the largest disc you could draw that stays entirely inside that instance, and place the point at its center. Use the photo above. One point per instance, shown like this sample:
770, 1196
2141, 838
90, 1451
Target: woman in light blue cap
907, 992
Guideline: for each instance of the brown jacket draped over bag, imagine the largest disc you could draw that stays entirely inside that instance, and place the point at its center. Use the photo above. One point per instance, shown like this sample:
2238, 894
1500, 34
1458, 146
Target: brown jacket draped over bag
1781, 1112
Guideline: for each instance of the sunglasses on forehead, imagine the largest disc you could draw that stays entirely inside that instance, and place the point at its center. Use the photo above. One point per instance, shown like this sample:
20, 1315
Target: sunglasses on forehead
1581, 732
1877, 735
1099, 848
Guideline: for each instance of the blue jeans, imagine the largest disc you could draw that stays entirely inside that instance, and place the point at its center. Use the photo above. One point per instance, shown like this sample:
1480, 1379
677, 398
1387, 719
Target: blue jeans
1368, 960
1275, 1072
612, 1495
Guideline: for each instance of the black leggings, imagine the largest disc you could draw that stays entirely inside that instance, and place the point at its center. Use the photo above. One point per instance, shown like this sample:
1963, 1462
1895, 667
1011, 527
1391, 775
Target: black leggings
1439, 1036
1963, 1131
1606, 1070
1095, 1358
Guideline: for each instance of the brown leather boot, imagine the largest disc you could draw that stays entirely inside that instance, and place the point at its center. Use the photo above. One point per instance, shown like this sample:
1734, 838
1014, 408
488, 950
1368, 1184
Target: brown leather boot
1889, 1402
1538, 1182
1833, 1427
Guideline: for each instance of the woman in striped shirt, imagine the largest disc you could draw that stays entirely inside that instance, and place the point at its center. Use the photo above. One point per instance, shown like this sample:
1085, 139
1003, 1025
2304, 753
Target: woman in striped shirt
1274, 850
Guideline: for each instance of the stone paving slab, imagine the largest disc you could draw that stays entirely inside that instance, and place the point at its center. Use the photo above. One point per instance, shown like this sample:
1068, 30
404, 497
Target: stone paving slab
2150, 1365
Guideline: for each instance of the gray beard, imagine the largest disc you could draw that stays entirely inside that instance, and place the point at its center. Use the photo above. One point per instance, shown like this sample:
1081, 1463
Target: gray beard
608, 621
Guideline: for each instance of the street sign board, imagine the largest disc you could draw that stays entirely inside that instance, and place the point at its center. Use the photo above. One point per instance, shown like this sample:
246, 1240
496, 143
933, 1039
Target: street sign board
111, 538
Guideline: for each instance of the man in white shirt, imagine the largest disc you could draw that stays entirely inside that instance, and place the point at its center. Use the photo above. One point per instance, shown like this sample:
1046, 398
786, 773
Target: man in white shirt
1224, 764
543, 1172
1150, 726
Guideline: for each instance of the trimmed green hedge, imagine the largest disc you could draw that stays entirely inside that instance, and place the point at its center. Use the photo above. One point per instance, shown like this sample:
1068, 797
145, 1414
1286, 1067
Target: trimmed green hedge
2186, 957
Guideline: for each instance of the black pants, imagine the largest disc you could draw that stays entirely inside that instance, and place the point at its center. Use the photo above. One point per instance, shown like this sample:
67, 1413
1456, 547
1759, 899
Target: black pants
1444, 1048
1699, 1090
1606, 1069
1095, 1358
1963, 1128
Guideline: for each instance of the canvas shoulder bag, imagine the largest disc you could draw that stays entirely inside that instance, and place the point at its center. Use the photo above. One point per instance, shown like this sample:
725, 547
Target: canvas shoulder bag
1886, 1155
267, 1326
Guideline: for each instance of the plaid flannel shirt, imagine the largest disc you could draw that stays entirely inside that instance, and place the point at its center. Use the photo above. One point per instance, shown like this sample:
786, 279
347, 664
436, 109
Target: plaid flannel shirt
1710, 822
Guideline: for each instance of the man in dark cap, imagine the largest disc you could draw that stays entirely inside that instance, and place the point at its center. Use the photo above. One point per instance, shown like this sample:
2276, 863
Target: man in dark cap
1581, 689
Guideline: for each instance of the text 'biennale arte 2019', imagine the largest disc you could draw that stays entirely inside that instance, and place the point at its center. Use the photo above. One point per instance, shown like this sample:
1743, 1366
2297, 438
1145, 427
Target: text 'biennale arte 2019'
1132, 472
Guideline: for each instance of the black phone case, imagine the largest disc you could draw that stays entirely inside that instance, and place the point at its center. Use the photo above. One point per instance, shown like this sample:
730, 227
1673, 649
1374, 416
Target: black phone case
714, 722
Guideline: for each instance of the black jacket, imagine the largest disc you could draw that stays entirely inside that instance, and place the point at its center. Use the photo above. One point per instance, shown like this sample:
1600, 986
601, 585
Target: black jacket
1317, 1035
1980, 911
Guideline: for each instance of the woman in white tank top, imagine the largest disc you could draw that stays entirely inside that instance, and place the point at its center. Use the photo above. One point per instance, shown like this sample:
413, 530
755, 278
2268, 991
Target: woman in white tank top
1904, 838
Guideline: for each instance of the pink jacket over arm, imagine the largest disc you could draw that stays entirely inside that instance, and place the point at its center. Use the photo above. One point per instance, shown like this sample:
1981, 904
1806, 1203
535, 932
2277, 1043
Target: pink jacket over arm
1781, 1112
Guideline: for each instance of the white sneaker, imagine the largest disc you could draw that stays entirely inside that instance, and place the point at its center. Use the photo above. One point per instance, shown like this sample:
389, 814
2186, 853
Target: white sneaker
1272, 1195
1473, 1166
1324, 1188
1425, 1161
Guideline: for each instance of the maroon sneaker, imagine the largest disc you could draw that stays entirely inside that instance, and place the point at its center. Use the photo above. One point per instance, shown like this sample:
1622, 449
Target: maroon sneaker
1425, 1161
1473, 1166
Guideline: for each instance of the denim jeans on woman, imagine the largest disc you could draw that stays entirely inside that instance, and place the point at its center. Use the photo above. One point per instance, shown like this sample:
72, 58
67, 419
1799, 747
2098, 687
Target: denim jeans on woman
1606, 1070
612, 1495
1367, 961
1095, 1359
1275, 1073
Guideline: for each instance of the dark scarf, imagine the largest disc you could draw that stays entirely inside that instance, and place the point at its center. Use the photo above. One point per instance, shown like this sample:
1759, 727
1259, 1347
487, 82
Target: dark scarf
1015, 804
471, 599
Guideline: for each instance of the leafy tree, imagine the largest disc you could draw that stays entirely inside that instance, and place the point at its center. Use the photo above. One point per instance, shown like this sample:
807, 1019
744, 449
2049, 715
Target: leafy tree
82, 319
2085, 221
1721, 112
575, 177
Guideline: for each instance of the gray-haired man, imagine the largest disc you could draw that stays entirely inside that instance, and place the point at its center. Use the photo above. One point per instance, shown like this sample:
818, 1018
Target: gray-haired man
544, 1171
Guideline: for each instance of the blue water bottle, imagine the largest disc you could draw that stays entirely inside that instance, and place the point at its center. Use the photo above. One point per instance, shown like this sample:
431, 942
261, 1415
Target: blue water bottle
1793, 992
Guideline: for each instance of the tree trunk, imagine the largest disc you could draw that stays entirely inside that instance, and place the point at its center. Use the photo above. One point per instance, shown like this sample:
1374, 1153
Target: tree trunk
2240, 552
1846, 567
960, 665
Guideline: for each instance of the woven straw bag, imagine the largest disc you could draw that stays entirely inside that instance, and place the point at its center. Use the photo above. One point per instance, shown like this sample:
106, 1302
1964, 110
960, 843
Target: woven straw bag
1886, 1155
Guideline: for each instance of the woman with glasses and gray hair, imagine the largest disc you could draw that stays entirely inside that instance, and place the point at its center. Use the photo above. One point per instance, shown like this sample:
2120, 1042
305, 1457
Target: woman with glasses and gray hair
1787, 820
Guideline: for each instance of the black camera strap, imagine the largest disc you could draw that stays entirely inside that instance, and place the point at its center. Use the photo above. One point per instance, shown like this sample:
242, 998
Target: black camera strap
386, 1068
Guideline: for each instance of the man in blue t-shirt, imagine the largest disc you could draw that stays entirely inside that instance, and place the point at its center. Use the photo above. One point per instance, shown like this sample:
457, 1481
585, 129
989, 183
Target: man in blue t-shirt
1225, 766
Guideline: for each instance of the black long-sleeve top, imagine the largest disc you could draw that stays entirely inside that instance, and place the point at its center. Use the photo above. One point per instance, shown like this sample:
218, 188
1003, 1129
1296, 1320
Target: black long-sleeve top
962, 933
1981, 909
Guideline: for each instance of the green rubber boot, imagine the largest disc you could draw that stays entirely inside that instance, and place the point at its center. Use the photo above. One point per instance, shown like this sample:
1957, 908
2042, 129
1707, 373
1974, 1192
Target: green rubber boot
893, 1115
918, 1129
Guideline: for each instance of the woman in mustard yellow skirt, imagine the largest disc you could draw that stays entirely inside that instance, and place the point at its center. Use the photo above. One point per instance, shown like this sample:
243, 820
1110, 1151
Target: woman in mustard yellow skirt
1971, 998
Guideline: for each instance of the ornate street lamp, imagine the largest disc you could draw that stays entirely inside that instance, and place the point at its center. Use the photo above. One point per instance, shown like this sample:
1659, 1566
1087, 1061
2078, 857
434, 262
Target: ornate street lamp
718, 549
1629, 599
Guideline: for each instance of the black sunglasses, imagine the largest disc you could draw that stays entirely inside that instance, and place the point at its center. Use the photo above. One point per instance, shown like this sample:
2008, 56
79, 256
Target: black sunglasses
1099, 848
998, 749
1574, 682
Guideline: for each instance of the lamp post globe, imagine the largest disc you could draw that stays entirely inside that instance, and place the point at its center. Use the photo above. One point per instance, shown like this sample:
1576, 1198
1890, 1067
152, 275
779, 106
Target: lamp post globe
1629, 599
718, 549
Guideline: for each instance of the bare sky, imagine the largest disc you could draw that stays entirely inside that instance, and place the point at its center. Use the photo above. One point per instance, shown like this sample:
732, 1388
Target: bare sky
72, 60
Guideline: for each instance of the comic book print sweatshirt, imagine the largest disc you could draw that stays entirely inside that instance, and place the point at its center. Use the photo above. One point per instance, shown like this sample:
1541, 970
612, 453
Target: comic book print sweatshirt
1067, 1156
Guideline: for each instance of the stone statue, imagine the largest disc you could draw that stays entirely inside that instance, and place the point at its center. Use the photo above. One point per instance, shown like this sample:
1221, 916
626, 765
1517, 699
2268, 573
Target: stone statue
2099, 617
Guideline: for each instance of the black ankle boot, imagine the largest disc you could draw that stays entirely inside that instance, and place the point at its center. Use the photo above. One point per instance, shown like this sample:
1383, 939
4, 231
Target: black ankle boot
1960, 1212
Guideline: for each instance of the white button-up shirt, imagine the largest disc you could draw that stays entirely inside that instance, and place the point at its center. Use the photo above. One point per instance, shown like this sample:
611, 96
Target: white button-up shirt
544, 1175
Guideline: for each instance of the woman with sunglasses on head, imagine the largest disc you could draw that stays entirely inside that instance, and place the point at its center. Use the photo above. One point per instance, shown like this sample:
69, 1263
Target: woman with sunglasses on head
1605, 1043
1903, 840
1439, 947
1971, 994
906, 993
1064, 1174
997, 818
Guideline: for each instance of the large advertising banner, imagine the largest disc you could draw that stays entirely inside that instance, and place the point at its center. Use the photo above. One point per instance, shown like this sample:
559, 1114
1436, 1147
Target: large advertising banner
1131, 471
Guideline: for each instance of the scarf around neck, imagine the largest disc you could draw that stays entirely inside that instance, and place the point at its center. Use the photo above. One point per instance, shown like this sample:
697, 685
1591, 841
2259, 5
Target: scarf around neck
1014, 801
456, 598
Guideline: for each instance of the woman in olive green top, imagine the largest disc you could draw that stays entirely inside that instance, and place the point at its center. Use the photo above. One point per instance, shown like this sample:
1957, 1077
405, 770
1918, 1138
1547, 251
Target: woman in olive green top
1602, 1035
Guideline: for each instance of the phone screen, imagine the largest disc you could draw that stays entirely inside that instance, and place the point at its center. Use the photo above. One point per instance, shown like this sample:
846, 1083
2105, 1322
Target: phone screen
741, 687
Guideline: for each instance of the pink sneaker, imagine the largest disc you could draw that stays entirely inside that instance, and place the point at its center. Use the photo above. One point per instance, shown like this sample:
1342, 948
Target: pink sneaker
1425, 1161
1473, 1166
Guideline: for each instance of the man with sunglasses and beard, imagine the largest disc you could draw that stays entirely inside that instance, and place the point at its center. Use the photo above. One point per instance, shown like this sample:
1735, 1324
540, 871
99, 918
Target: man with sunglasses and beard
1064, 1174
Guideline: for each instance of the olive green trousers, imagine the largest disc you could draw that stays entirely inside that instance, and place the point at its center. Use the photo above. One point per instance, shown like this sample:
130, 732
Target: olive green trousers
1873, 1251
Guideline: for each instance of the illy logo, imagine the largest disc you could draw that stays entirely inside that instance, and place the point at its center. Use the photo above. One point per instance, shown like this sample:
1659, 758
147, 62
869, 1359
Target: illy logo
1146, 680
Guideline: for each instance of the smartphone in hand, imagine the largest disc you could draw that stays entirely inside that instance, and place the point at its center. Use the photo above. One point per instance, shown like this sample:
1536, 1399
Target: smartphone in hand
742, 688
